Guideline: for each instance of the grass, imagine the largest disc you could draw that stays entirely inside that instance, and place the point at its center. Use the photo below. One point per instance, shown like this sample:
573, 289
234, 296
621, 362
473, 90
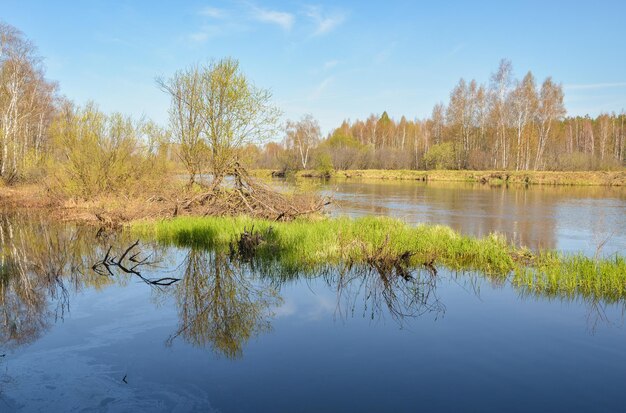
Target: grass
593, 178
331, 241
556, 274
308, 245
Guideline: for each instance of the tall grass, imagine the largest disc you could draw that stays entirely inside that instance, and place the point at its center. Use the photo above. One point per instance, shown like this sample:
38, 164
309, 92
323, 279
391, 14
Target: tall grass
312, 244
569, 275
331, 241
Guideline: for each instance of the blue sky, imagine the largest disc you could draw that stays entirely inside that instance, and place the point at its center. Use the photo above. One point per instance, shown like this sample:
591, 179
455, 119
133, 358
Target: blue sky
335, 60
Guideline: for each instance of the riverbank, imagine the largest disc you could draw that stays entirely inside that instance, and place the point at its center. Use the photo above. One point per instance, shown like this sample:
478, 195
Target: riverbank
104, 211
112, 210
589, 178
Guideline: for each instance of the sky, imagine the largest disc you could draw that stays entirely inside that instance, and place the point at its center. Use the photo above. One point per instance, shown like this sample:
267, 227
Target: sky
333, 59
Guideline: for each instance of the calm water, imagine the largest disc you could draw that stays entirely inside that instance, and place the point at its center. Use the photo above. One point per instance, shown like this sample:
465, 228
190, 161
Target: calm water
232, 336
565, 218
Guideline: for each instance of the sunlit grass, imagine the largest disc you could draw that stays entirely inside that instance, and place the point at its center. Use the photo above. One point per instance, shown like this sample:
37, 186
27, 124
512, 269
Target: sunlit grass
603, 178
558, 274
330, 241
310, 244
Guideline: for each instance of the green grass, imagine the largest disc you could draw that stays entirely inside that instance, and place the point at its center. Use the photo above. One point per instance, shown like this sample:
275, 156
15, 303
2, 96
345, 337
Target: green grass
308, 245
332, 241
556, 274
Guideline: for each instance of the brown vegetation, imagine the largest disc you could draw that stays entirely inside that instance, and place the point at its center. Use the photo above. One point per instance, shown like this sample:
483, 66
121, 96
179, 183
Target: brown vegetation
246, 196
250, 197
592, 178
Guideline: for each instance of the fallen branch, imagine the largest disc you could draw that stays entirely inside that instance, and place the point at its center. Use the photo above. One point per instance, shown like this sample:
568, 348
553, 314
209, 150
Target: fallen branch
247, 196
104, 266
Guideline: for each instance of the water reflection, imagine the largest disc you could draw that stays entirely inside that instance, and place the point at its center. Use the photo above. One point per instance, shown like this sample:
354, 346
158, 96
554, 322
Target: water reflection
38, 266
377, 293
222, 300
549, 217
220, 306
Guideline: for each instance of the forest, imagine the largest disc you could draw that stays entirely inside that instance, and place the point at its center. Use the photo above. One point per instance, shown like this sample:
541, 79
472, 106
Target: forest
74, 150
508, 124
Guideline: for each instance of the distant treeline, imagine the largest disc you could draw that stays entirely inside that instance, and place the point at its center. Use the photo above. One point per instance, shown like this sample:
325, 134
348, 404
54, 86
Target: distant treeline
219, 120
509, 124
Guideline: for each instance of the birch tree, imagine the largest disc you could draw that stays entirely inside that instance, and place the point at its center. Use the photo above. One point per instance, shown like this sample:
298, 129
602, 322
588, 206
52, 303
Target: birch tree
303, 136
26, 104
523, 103
461, 114
500, 84
550, 109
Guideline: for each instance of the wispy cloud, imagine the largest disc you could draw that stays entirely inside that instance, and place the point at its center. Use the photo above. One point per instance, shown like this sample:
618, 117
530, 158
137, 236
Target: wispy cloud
207, 32
324, 23
594, 86
199, 37
280, 18
211, 31
330, 64
321, 87
456, 49
213, 12
244, 12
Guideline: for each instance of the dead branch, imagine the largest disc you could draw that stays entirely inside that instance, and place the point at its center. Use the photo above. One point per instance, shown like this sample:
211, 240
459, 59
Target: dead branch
130, 266
247, 196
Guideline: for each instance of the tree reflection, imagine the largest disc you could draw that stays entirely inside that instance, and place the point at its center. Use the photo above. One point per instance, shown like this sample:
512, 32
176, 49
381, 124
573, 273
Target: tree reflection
40, 266
396, 290
33, 260
223, 299
219, 305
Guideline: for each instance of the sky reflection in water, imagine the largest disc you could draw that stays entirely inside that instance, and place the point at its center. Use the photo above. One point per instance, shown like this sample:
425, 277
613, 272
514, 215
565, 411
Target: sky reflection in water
232, 339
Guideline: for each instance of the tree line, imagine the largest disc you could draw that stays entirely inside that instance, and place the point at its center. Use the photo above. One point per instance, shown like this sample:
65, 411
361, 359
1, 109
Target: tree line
220, 121
511, 124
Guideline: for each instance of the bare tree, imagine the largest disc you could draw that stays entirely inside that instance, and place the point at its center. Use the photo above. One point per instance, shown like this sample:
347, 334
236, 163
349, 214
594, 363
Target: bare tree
461, 116
604, 134
186, 119
523, 103
302, 136
438, 118
550, 109
500, 85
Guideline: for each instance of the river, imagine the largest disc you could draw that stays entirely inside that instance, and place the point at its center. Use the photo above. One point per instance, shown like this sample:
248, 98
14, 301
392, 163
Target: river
232, 336
566, 218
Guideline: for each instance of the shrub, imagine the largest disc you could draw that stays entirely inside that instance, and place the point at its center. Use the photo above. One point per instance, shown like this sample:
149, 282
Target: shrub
324, 164
94, 153
440, 156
